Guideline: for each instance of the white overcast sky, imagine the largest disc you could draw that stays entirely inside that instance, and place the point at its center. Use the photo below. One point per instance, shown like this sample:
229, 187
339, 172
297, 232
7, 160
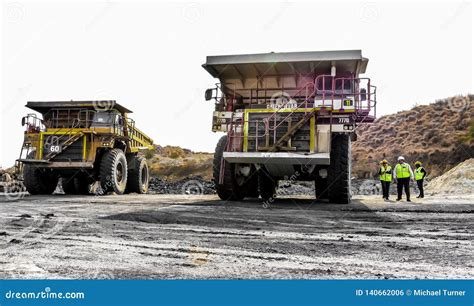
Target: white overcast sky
148, 56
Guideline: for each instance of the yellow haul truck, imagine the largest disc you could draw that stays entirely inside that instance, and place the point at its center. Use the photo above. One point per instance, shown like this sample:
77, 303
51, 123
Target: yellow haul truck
82, 142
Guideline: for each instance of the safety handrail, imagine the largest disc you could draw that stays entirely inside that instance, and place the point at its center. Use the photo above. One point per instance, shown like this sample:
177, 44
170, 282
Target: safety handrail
328, 95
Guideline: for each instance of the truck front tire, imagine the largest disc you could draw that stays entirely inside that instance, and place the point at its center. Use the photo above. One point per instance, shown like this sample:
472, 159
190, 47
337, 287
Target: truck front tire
339, 172
229, 189
113, 172
39, 180
138, 174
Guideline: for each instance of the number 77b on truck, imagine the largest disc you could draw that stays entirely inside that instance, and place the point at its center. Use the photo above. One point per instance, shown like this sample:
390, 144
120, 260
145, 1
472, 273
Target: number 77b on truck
288, 116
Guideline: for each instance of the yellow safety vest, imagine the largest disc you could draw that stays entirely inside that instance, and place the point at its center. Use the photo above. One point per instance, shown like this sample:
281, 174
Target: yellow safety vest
386, 174
402, 170
418, 173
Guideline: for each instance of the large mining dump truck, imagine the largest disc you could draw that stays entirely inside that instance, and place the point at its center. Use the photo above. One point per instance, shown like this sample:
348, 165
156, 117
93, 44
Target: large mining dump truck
83, 142
288, 116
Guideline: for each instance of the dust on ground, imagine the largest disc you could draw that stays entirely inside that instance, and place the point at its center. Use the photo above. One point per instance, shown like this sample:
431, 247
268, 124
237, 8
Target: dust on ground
201, 237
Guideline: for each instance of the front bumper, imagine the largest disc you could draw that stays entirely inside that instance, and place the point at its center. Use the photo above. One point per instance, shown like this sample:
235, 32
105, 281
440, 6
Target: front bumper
285, 158
56, 165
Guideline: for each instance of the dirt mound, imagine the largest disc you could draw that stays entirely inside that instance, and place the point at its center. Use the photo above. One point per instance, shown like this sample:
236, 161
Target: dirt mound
174, 163
459, 180
440, 134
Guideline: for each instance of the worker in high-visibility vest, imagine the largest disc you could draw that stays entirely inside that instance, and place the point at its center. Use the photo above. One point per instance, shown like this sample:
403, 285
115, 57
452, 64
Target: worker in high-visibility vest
420, 174
403, 174
385, 176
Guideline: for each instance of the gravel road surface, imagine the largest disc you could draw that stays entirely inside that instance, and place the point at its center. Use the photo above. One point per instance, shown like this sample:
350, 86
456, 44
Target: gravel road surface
201, 237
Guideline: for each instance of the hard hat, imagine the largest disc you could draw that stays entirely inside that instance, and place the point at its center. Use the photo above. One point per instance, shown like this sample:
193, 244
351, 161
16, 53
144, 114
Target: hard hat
401, 158
418, 163
384, 161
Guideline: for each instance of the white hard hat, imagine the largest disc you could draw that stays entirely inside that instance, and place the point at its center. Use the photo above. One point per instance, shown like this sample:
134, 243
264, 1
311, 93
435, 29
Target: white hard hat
401, 158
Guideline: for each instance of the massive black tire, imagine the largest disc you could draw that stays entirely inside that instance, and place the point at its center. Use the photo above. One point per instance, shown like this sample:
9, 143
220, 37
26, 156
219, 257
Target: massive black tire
38, 180
266, 185
339, 172
138, 174
77, 184
228, 190
113, 172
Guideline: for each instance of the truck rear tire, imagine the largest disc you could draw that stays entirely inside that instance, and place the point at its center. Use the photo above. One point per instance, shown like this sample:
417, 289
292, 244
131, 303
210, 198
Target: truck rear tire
39, 180
138, 174
339, 172
266, 185
228, 190
113, 172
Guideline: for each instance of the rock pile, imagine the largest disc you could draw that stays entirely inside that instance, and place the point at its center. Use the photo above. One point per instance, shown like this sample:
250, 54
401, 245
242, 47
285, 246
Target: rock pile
459, 180
192, 185
10, 184
295, 188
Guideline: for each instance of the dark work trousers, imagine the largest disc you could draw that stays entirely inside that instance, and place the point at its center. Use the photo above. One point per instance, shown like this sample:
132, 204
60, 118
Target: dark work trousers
420, 187
385, 189
403, 183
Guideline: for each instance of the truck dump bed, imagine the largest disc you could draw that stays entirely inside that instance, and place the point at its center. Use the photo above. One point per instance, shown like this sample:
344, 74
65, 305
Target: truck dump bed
248, 75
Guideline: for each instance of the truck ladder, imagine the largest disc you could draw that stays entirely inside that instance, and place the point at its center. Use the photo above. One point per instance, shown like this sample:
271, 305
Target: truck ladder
65, 145
291, 131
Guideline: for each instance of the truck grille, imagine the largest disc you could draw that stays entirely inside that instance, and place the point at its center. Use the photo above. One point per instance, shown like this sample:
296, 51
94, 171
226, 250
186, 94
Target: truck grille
300, 140
71, 153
